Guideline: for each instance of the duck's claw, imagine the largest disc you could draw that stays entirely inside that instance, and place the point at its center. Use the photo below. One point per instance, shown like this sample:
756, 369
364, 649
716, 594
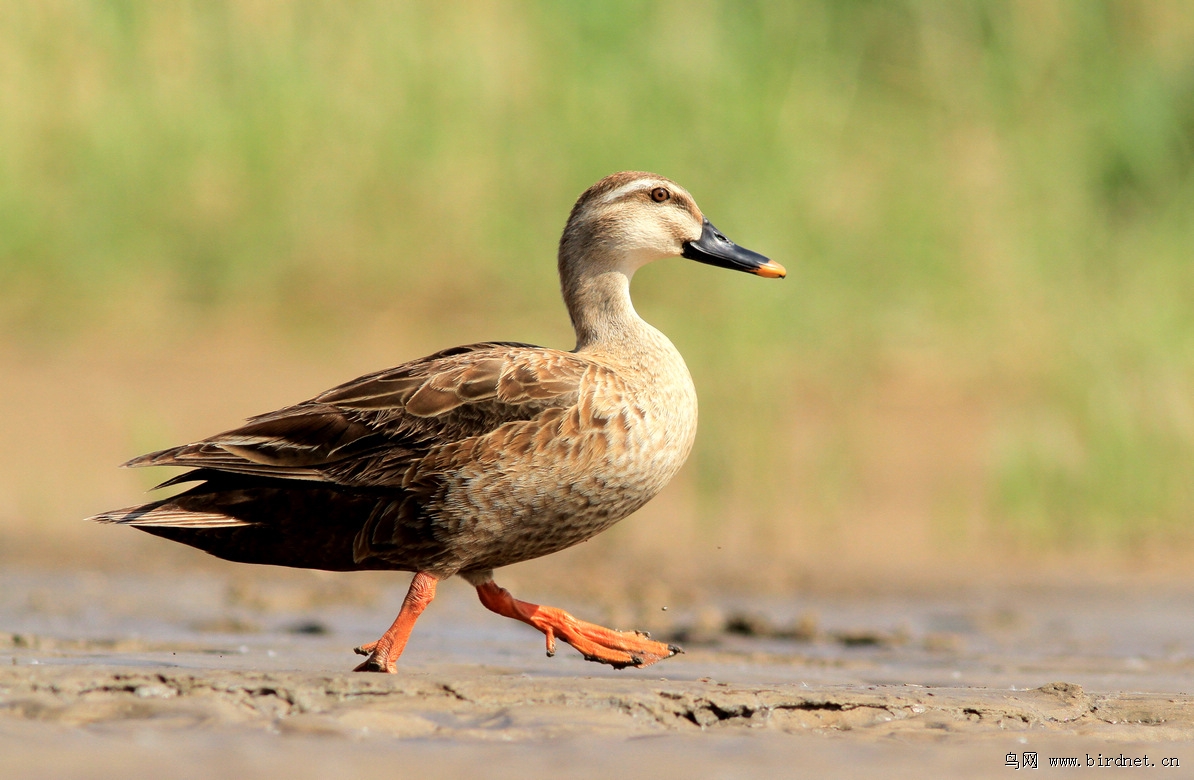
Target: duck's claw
383, 654
375, 663
619, 649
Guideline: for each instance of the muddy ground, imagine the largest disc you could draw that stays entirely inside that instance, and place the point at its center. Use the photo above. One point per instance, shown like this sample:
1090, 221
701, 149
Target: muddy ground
202, 674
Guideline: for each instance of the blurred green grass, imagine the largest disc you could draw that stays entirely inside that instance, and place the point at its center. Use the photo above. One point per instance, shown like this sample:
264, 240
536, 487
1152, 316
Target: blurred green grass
990, 200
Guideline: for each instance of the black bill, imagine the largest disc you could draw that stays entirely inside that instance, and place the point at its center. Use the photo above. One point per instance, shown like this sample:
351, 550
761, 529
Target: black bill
715, 249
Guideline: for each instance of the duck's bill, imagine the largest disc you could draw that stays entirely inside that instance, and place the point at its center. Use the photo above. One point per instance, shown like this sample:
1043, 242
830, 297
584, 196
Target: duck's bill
715, 249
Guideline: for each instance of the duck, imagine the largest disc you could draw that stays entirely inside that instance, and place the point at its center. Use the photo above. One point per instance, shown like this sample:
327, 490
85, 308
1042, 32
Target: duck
475, 457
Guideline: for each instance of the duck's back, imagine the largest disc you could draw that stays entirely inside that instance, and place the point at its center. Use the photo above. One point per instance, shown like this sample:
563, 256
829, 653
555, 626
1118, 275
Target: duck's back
469, 459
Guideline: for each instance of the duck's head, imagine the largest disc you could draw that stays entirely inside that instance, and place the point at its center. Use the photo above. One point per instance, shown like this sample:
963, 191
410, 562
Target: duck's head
629, 219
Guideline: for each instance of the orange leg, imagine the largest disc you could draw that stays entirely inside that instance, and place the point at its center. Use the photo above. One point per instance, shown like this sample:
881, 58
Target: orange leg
619, 649
383, 654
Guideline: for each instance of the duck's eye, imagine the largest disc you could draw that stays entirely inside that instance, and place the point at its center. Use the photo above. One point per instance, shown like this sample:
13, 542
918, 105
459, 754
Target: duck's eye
660, 194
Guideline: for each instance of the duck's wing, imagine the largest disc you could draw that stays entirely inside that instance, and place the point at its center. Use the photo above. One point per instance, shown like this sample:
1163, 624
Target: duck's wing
364, 432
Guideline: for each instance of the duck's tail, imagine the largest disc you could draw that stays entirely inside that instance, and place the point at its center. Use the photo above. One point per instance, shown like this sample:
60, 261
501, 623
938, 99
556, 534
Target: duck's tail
303, 525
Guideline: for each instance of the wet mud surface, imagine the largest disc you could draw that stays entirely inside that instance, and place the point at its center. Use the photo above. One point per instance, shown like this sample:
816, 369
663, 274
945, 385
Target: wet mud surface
193, 675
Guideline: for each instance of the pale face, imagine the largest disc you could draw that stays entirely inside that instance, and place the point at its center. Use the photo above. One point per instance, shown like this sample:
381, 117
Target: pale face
632, 218
641, 218
649, 219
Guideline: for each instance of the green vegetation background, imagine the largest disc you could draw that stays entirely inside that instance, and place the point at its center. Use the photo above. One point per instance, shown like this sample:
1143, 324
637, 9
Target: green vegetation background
990, 202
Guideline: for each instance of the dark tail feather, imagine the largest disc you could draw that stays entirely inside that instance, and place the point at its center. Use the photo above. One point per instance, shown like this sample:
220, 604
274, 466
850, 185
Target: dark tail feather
168, 514
297, 524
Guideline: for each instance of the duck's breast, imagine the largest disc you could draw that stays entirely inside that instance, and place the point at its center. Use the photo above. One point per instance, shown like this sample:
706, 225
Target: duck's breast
534, 487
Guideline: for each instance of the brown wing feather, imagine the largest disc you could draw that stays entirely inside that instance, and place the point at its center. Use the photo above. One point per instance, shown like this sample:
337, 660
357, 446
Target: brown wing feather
366, 431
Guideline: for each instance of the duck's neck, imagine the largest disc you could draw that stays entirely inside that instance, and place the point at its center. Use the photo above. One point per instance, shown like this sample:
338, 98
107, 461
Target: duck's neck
602, 314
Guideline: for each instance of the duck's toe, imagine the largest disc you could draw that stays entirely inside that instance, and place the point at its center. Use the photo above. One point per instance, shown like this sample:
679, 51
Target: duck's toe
618, 649
376, 663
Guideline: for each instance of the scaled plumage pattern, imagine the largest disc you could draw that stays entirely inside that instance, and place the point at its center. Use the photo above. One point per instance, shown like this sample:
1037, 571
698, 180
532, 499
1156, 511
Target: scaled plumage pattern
479, 456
